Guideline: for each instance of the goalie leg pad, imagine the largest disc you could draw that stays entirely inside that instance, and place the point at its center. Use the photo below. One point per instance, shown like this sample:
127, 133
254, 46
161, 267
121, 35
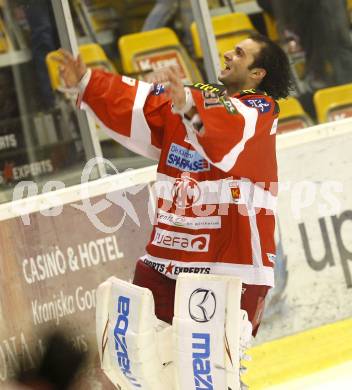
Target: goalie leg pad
206, 329
128, 334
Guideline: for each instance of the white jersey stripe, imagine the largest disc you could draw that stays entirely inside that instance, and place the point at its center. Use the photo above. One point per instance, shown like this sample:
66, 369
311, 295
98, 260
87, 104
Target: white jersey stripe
149, 151
140, 138
250, 116
255, 240
140, 131
274, 128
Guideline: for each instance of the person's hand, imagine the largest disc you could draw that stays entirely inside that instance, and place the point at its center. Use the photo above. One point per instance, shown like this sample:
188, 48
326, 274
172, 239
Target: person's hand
71, 69
173, 85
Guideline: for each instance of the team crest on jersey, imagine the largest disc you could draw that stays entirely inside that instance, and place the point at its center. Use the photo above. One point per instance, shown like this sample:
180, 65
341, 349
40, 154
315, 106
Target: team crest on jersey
261, 104
186, 160
235, 191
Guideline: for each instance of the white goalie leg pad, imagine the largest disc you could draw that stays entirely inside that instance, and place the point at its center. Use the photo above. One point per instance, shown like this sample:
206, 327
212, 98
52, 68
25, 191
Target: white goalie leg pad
245, 343
246, 329
133, 344
206, 328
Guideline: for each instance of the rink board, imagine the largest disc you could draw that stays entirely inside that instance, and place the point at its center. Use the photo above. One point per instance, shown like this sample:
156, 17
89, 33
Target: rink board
314, 268
52, 261
50, 266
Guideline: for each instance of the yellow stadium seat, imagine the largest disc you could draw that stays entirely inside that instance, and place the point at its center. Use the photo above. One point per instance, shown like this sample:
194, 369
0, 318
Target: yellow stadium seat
333, 103
349, 9
92, 55
151, 50
229, 29
292, 116
271, 27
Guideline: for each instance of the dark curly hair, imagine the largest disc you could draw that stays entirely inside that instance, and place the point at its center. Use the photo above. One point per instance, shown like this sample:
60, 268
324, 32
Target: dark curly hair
278, 79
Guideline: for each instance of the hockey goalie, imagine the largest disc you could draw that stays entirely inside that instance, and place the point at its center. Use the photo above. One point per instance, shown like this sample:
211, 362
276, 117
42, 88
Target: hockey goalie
215, 192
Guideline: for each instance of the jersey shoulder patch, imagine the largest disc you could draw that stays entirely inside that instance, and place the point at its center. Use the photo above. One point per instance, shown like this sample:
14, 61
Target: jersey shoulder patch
262, 103
158, 89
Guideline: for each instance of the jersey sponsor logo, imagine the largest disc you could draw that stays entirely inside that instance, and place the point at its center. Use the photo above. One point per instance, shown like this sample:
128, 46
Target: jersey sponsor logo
260, 104
173, 269
186, 160
181, 241
201, 361
207, 87
155, 265
202, 305
230, 108
120, 330
213, 222
129, 81
185, 191
248, 91
158, 89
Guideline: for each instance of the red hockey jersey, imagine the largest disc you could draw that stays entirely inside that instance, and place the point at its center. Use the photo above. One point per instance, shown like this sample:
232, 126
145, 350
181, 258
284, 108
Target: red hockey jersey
216, 177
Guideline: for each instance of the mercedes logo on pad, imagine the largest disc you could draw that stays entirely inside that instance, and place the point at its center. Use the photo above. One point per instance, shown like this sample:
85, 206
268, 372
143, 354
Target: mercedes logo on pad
202, 305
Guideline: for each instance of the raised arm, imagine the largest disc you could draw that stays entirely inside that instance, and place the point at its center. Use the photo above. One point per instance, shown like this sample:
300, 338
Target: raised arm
128, 110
